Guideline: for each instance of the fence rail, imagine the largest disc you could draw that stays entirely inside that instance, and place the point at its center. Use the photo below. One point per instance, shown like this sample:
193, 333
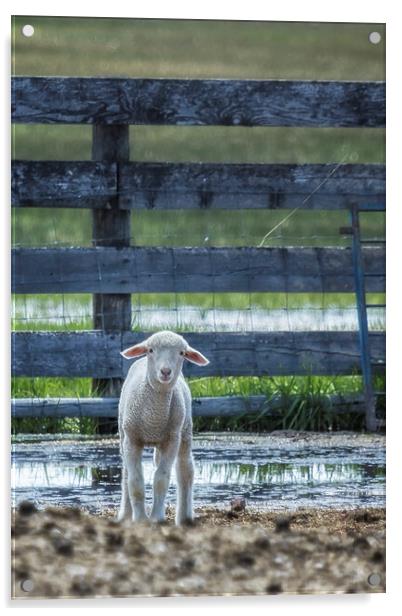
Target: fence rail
194, 185
225, 102
230, 354
192, 270
224, 406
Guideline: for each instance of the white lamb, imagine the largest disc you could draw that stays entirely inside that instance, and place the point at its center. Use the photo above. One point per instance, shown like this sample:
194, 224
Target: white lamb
155, 409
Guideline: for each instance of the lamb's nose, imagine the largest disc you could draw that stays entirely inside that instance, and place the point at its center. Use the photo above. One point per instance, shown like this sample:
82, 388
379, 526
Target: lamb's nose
166, 371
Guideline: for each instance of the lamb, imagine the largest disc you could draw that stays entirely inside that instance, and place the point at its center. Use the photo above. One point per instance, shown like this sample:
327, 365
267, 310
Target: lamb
155, 410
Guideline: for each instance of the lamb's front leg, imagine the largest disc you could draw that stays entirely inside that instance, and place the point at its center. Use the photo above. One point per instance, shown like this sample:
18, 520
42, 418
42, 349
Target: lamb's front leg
167, 455
135, 479
125, 510
185, 480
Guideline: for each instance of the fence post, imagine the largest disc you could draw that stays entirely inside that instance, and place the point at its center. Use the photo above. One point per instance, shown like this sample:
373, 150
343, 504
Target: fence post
110, 227
358, 266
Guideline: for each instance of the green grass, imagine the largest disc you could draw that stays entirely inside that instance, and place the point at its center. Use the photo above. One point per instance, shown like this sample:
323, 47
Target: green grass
25, 387
46, 227
209, 144
306, 404
203, 49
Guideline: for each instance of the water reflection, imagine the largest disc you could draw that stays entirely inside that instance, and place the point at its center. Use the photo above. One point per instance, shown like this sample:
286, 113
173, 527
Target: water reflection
285, 478
42, 475
283, 473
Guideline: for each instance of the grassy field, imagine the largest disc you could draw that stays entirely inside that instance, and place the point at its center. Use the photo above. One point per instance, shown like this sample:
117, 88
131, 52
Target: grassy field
197, 49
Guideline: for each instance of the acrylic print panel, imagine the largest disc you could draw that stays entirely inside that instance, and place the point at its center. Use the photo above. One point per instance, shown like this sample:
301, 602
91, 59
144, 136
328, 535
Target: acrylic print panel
206, 197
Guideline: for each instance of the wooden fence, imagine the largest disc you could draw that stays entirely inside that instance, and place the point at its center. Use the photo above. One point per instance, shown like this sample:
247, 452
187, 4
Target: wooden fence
111, 186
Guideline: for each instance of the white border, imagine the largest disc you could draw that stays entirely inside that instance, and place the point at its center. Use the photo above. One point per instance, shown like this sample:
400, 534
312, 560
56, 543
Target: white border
307, 10
368, 11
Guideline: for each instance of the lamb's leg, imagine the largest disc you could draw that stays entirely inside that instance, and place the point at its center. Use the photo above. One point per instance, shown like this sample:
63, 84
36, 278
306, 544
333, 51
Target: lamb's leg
157, 457
135, 479
167, 455
185, 480
125, 510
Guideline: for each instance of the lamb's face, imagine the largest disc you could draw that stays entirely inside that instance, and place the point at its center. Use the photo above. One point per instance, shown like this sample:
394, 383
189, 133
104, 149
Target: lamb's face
165, 353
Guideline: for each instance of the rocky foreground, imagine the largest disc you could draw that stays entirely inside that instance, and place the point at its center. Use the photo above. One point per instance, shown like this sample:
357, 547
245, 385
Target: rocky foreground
66, 552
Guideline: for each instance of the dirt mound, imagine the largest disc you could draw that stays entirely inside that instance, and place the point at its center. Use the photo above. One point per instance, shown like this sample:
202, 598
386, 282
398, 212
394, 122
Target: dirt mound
65, 552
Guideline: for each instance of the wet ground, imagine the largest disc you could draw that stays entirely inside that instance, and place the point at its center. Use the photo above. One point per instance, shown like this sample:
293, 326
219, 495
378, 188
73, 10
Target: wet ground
279, 471
287, 512
65, 552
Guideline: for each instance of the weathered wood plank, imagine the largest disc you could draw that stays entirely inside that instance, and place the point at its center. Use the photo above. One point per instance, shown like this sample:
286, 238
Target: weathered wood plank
67, 354
44, 100
97, 354
63, 184
235, 406
194, 185
257, 186
153, 269
64, 407
222, 406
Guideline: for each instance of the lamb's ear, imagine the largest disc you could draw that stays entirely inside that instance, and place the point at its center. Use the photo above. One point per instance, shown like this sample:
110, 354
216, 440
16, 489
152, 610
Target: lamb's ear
195, 357
135, 351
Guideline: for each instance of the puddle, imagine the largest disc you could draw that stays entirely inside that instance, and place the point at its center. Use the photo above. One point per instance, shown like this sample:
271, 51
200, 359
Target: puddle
286, 476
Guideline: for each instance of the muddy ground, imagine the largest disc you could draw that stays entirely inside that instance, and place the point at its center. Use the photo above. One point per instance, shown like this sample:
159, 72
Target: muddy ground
275, 438
69, 553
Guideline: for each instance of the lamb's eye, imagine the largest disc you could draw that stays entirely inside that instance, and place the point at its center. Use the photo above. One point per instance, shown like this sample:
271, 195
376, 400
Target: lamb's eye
181, 352
150, 350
